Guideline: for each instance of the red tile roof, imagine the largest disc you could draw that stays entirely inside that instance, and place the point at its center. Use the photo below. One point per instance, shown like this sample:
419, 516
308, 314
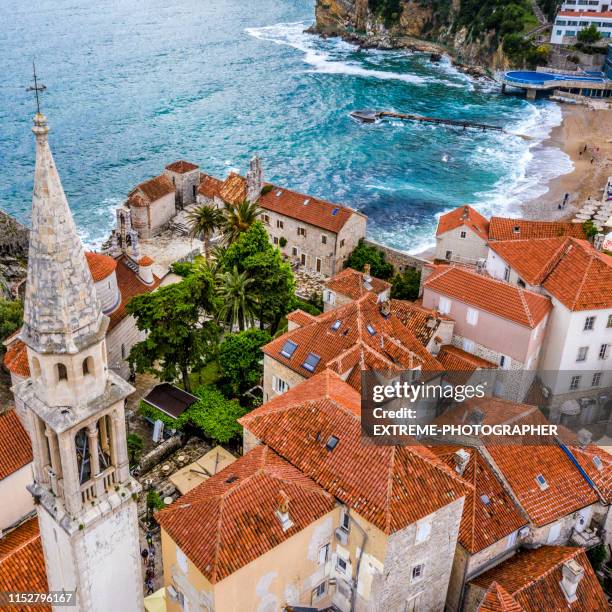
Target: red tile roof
463, 216
503, 228
16, 359
22, 563
150, 191
582, 278
209, 186
15, 445
600, 15
300, 318
100, 266
308, 209
351, 283
496, 297
130, 286
533, 577
455, 359
391, 346
181, 166
391, 487
567, 489
489, 512
497, 599
233, 190
229, 520
597, 463
422, 322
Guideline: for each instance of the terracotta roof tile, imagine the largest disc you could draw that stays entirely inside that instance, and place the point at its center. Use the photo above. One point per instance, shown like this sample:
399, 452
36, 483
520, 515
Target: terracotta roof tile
533, 577
503, 228
16, 359
343, 346
391, 487
351, 283
497, 599
233, 190
489, 512
209, 186
299, 317
15, 445
100, 266
130, 286
181, 166
308, 209
22, 563
229, 520
582, 278
455, 359
497, 297
422, 322
150, 191
463, 216
597, 463
567, 489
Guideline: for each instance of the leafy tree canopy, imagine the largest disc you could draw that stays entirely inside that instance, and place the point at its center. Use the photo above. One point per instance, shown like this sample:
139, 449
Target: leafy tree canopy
363, 254
406, 286
181, 335
589, 35
216, 416
240, 356
11, 317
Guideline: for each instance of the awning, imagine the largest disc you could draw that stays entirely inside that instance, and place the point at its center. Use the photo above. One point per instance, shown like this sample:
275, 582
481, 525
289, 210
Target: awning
170, 399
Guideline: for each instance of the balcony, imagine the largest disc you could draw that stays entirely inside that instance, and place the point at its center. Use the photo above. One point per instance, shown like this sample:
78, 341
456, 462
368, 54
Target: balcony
95, 487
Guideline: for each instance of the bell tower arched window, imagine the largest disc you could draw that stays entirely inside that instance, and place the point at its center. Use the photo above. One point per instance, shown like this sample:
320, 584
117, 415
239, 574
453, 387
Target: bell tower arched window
81, 441
88, 366
62, 371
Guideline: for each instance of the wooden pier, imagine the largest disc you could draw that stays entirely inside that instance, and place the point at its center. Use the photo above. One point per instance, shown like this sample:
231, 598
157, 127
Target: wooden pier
374, 116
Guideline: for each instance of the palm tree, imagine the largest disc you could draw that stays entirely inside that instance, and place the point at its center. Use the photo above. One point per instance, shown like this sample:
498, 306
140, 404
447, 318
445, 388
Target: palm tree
237, 305
204, 221
239, 218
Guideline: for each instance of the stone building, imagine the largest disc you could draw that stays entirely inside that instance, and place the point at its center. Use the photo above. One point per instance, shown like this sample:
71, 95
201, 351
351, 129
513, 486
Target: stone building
462, 236
362, 335
350, 285
116, 282
73, 409
317, 527
185, 177
548, 578
152, 205
312, 232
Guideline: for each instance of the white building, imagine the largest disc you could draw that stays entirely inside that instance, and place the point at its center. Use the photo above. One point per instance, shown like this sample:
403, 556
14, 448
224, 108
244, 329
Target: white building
581, 15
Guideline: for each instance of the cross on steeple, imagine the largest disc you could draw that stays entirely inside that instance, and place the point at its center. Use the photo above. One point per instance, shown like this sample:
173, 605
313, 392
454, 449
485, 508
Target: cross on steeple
37, 88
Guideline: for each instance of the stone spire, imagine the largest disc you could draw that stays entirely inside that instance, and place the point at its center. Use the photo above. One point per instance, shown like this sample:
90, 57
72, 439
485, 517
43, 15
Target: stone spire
61, 311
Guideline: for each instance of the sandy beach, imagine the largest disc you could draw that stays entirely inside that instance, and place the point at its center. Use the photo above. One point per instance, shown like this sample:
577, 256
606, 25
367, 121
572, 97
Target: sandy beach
580, 126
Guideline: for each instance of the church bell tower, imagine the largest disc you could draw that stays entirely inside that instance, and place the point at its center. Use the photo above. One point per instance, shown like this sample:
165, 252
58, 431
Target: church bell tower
73, 408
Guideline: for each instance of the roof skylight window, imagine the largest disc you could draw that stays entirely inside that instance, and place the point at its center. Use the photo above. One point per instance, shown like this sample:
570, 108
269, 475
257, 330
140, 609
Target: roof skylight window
485, 499
370, 329
597, 462
336, 325
288, 349
332, 442
335, 211
312, 361
541, 482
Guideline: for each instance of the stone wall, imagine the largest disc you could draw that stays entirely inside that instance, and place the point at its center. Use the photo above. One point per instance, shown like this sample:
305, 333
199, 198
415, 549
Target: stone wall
399, 259
275, 368
13, 236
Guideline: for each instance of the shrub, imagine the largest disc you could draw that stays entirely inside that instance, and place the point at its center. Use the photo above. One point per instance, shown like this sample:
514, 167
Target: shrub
282, 241
154, 414
266, 189
182, 268
589, 229
589, 35
363, 254
406, 286
154, 501
11, 317
134, 446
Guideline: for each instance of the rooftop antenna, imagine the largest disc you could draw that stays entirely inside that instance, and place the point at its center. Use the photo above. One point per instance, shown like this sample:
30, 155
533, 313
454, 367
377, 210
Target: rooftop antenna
37, 87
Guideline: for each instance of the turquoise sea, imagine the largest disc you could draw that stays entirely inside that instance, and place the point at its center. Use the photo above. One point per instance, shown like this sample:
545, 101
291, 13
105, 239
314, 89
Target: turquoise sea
136, 84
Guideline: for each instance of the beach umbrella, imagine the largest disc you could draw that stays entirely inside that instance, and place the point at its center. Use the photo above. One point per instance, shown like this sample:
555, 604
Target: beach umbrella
577, 220
583, 216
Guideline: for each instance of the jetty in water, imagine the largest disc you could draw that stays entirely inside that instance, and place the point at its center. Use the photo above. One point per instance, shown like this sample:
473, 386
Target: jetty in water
369, 116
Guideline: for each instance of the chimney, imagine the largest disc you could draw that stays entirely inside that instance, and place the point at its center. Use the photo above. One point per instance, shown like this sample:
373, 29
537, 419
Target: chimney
466, 212
572, 573
461, 458
282, 511
584, 437
254, 180
598, 242
385, 308
366, 273
145, 270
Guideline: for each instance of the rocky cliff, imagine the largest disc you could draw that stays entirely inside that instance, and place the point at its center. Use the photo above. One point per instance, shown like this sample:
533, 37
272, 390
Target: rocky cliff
13, 254
427, 25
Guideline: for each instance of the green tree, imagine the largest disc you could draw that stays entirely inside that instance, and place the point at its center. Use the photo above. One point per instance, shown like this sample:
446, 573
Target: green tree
11, 317
237, 305
363, 254
406, 286
589, 35
239, 218
273, 287
134, 447
181, 334
216, 416
240, 358
537, 56
204, 221
589, 229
